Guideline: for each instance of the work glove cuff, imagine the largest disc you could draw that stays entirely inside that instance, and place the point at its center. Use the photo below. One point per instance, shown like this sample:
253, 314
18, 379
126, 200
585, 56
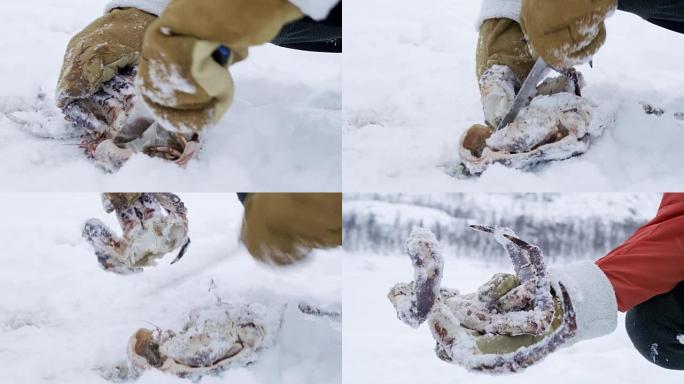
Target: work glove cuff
155, 7
592, 296
498, 9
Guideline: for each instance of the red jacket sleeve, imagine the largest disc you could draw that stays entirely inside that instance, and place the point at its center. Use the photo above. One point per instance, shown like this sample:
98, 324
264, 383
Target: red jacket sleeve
651, 261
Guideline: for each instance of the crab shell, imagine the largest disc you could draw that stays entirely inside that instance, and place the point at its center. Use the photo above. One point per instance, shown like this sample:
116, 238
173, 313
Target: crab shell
554, 127
562, 149
144, 353
215, 338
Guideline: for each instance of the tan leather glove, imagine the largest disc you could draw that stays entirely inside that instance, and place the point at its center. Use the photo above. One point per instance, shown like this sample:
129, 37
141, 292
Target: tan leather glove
503, 61
97, 53
180, 81
282, 228
565, 33
501, 42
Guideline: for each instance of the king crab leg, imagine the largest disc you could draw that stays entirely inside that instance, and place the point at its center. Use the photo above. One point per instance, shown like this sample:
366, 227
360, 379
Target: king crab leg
102, 115
458, 321
450, 335
313, 310
415, 300
535, 288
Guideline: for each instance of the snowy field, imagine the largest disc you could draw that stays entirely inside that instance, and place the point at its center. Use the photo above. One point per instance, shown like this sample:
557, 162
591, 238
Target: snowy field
380, 349
283, 132
64, 320
410, 91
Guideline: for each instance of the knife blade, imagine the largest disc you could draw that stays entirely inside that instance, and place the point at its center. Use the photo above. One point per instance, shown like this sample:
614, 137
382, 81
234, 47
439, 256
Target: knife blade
526, 92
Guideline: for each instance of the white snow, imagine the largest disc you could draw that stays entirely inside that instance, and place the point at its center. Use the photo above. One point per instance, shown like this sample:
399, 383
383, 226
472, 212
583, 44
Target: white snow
410, 91
282, 133
62, 318
317, 9
680, 338
378, 348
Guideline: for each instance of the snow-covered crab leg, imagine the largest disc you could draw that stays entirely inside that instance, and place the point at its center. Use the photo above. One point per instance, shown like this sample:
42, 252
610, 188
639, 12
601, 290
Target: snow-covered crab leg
415, 300
102, 115
450, 337
318, 311
107, 245
526, 309
508, 324
175, 209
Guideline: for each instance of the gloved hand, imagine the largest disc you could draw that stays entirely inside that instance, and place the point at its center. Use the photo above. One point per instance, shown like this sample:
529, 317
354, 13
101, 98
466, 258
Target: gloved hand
100, 51
282, 228
512, 321
555, 127
148, 232
565, 33
502, 62
182, 76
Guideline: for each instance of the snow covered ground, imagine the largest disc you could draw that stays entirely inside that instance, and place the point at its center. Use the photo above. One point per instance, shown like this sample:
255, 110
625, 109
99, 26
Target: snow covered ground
63, 319
410, 91
380, 349
283, 132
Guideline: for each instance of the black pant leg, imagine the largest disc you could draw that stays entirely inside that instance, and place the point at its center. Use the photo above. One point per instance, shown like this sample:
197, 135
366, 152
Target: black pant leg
656, 328
665, 13
307, 34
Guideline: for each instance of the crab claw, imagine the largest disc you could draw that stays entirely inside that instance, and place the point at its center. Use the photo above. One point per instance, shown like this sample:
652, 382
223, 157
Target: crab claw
182, 251
190, 149
482, 228
180, 150
535, 286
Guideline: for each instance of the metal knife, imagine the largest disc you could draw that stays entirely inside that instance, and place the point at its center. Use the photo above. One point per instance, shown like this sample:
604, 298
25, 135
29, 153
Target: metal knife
527, 91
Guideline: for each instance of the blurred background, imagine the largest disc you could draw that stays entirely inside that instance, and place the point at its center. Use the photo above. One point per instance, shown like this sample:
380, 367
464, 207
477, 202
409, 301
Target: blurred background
566, 226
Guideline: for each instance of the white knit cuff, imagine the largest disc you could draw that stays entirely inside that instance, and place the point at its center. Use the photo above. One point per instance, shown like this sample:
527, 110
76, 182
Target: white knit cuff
592, 297
316, 9
155, 7
497, 9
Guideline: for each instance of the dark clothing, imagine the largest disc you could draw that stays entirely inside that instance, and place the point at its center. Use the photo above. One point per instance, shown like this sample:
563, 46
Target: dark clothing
242, 197
308, 34
665, 13
656, 328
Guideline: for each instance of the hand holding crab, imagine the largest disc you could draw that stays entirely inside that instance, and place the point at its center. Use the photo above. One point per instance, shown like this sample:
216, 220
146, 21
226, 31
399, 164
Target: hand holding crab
510, 323
114, 126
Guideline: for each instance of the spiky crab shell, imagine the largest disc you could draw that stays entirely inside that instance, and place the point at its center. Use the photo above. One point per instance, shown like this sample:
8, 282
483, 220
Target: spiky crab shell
213, 338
